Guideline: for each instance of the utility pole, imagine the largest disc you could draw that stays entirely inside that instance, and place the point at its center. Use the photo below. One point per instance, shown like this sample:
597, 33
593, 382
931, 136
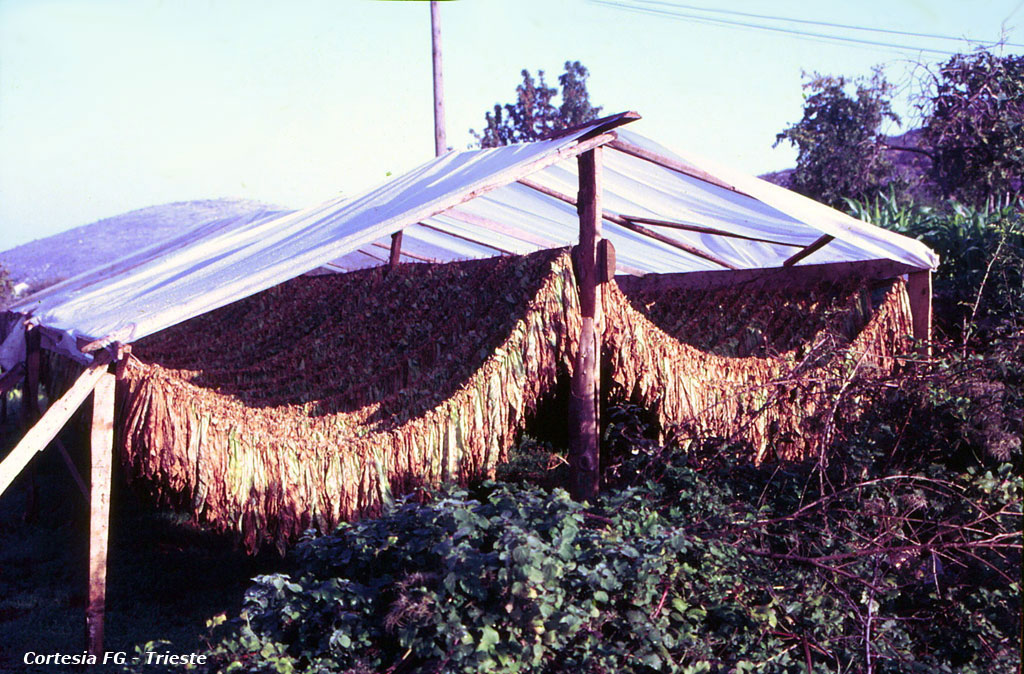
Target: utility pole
440, 145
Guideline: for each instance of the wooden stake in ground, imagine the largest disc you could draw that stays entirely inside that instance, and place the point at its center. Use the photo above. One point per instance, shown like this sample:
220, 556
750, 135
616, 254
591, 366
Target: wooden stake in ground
584, 412
102, 447
919, 290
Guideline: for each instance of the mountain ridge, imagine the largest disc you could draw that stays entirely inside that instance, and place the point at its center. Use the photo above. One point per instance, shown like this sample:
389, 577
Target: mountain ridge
46, 261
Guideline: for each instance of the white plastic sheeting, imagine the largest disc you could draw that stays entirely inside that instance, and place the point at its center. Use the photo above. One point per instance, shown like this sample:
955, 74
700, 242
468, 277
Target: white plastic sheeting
460, 206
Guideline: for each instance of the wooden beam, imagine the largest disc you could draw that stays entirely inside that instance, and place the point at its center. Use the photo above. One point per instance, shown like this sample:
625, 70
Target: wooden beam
396, 246
370, 255
585, 400
501, 227
818, 244
640, 229
674, 165
622, 222
449, 232
101, 450
919, 290
600, 125
776, 277
40, 435
706, 230
403, 253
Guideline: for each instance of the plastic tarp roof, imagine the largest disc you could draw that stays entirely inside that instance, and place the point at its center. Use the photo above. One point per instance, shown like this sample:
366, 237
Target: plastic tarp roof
464, 205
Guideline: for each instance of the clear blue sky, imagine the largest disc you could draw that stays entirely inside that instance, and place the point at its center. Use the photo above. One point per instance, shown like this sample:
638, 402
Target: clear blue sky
111, 105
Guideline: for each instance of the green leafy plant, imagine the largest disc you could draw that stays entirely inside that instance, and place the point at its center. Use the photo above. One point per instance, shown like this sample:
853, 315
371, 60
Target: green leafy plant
839, 140
974, 107
534, 113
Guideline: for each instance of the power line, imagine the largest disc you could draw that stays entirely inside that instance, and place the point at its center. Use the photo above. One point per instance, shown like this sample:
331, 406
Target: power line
716, 10
777, 29
1015, 10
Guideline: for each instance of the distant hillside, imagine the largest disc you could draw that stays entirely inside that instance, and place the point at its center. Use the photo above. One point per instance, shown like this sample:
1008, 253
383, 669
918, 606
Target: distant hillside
45, 261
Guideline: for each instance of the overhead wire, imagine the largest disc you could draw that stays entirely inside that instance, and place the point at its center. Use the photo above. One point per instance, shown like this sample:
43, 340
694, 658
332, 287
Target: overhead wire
828, 37
828, 24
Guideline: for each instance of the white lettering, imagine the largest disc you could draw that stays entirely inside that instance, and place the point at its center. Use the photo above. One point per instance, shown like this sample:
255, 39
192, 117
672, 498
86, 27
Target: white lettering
115, 657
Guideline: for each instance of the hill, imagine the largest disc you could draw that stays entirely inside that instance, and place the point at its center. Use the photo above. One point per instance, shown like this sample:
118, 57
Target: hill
45, 261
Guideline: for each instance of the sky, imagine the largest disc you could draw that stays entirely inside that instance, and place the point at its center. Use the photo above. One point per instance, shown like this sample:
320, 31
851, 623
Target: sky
111, 105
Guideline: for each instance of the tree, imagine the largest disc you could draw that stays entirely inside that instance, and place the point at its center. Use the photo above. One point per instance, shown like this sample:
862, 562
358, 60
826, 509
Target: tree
6, 287
975, 126
841, 149
534, 115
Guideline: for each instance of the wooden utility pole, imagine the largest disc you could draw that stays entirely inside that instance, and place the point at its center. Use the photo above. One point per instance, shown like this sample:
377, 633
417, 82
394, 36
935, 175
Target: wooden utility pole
440, 145
584, 405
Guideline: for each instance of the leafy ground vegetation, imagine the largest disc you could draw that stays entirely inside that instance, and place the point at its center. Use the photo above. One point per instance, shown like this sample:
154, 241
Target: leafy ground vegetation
897, 549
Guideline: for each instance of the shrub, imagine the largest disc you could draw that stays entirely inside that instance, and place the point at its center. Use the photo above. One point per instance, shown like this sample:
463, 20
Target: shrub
710, 569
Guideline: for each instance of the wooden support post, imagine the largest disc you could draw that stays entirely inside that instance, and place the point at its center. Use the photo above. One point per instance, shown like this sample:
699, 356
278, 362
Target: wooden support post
30, 412
102, 449
919, 290
30, 402
396, 250
584, 406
